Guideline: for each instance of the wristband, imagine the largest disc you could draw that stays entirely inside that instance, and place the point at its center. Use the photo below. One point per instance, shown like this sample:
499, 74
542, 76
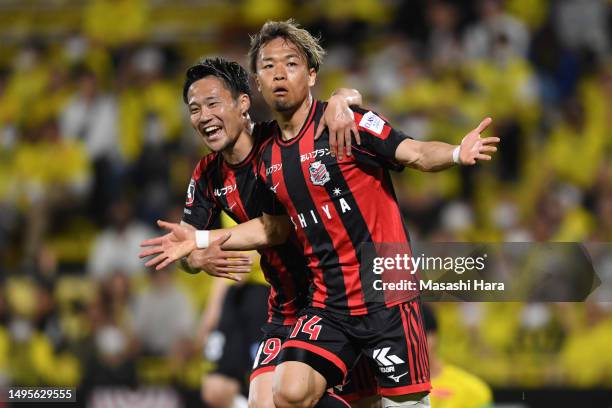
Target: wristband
202, 238
456, 155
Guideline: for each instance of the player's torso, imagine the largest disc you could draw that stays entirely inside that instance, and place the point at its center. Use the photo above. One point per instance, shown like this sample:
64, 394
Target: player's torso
326, 199
234, 189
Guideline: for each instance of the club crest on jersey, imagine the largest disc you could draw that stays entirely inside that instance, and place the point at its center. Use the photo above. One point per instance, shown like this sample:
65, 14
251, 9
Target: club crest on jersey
190, 192
318, 173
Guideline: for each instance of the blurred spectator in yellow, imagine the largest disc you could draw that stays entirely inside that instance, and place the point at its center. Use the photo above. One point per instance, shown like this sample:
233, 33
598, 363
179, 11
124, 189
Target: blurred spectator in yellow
32, 358
116, 248
452, 386
586, 358
116, 22
49, 173
29, 78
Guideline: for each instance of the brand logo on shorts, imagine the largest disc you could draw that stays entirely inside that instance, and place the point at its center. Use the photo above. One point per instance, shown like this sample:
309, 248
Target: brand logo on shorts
386, 362
318, 173
396, 378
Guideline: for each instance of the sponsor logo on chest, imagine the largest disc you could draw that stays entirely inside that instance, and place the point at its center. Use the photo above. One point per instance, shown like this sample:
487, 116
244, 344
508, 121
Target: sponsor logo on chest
225, 190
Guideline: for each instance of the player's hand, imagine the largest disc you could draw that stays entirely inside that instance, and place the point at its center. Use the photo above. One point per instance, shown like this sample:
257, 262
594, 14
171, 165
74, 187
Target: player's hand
179, 242
474, 148
340, 122
217, 262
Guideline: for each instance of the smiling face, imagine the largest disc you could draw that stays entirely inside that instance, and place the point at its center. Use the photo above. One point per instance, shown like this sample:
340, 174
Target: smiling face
283, 76
215, 114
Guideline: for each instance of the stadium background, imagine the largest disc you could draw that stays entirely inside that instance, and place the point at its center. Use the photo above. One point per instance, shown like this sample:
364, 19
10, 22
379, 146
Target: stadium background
95, 146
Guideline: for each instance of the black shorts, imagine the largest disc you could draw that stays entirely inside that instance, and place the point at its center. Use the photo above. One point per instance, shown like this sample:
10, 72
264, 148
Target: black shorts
360, 382
269, 348
232, 346
391, 339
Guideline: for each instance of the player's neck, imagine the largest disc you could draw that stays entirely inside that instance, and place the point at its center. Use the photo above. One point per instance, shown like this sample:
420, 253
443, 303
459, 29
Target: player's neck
291, 123
240, 150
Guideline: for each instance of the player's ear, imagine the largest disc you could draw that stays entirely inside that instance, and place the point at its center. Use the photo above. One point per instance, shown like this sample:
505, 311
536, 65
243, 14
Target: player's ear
312, 77
245, 103
258, 83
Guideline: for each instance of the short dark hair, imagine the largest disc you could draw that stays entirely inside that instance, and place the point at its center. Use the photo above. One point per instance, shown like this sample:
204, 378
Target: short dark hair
235, 77
290, 31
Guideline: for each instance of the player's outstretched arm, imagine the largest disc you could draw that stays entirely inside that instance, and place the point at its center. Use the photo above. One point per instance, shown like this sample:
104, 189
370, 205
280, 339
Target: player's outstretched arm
216, 261
181, 240
436, 156
340, 121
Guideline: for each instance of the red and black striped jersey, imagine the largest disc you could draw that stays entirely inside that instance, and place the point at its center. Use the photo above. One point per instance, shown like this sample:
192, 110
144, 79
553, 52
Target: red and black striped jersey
339, 207
217, 186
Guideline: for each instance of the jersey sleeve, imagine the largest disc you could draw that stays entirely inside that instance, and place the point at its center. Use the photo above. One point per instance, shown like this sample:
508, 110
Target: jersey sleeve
201, 210
378, 138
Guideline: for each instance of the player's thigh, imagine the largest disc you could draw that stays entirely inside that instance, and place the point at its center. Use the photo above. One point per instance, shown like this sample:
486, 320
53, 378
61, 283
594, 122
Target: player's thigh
318, 341
399, 350
297, 383
260, 390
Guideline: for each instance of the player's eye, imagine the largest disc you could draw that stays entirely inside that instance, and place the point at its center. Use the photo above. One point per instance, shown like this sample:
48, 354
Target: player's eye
292, 64
213, 104
267, 66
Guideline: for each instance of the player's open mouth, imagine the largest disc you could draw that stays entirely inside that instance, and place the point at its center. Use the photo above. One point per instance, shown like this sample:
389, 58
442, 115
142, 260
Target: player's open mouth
280, 91
211, 131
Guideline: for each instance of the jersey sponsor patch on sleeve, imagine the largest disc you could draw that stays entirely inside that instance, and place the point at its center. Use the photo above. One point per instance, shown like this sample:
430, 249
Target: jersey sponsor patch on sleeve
190, 193
372, 122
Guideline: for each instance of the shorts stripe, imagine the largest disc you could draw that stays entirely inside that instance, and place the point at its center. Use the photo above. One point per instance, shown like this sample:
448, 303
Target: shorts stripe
319, 351
423, 345
261, 371
413, 343
411, 363
417, 344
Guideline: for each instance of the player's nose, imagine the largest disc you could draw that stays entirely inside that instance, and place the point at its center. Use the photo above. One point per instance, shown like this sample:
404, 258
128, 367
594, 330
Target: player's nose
279, 73
204, 118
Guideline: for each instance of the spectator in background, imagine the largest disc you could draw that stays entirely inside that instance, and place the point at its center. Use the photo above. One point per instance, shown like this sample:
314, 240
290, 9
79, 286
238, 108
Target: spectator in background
110, 358
91, 116
164, 320
50, 174
117, 247
444, 45
582, 25
452, 386
494, 28
116, 23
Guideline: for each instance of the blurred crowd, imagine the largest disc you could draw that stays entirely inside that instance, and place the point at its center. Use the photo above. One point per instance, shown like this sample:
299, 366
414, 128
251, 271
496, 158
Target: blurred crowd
95, 145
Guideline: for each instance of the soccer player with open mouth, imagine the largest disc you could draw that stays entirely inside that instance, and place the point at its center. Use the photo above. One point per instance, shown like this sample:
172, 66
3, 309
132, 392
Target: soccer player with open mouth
335, 204
217, 94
